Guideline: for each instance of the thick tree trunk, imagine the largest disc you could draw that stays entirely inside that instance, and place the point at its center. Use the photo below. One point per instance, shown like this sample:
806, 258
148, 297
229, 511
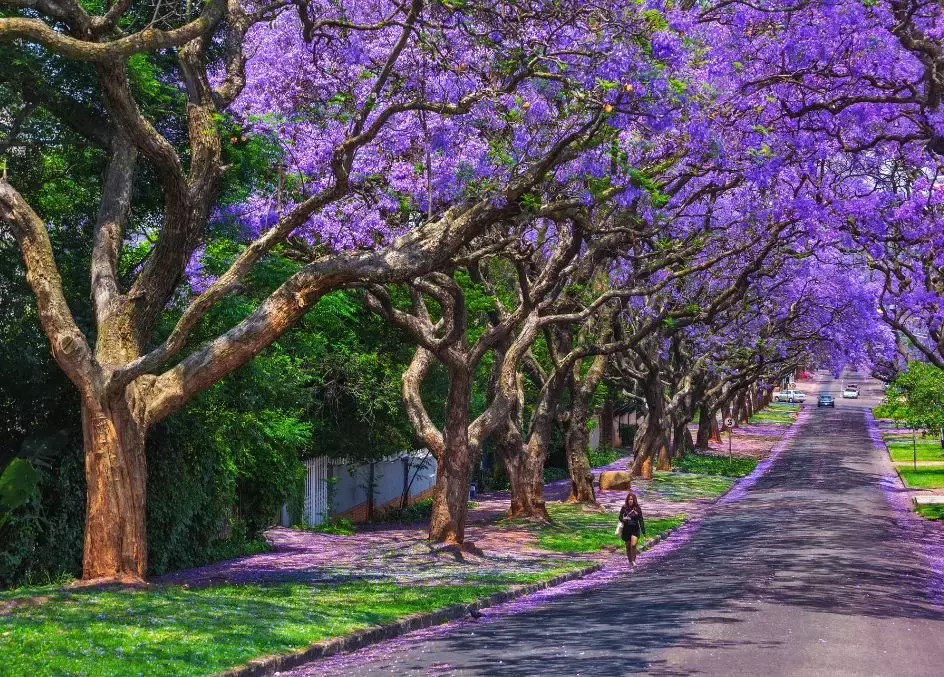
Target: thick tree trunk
714, 433
703, 436
451, 500
526, 474
576, 439
606, 424
681, 439
577, 433
116, 476
651, 440
455, 464
650, 443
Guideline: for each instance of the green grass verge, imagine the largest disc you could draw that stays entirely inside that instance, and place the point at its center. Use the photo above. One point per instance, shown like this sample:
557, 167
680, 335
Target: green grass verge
680, 486
922, 478
528, 577
574, 530
776, 412
177, 631
931, 511
708, 464
901, 449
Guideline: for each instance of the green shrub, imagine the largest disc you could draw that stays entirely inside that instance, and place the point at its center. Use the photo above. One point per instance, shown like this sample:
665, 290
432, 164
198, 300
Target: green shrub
339, 526
603, 456
554, 474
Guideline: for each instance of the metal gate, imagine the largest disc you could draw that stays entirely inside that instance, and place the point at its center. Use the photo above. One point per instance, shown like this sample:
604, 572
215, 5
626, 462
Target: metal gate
316, 490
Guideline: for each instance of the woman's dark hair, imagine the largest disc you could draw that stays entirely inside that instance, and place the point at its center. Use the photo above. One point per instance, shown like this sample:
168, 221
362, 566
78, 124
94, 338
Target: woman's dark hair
631, 500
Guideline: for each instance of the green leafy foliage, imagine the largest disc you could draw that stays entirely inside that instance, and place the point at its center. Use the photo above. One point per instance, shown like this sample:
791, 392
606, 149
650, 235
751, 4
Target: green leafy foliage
603, 456
916, 397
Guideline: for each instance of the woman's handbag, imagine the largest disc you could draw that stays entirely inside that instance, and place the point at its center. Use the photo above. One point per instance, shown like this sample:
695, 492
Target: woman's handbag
619, 528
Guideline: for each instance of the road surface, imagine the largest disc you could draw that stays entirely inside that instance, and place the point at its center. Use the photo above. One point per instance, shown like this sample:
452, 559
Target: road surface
810, 573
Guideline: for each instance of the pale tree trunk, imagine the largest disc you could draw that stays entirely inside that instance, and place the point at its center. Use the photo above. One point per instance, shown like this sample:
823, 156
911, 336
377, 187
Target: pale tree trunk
651, 440
116, 477
577, 432
455, 463
451, 499
650, 443
714, 429
526, 473
524, 460
576, 440
681, 439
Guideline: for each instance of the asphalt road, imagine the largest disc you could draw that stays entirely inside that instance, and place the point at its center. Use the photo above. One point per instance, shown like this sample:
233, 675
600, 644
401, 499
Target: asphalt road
808, 574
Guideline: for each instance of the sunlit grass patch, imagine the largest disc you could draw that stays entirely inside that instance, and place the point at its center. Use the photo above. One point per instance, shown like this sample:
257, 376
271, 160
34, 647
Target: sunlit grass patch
931, 511
681, 486
527, 577
903, 449
922, 478
709, 464
172, 630
776, 412
576, 530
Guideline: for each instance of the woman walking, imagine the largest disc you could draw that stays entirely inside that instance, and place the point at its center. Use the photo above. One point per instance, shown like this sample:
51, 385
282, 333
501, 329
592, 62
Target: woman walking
630, 516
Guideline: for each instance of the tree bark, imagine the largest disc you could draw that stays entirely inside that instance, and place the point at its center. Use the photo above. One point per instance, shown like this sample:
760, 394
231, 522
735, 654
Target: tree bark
704, 428
606, 424
455, 463
451, 501
681, 439
576, 439
526, 473
116, 476
650, 443
715, 431
576, 431
651, 439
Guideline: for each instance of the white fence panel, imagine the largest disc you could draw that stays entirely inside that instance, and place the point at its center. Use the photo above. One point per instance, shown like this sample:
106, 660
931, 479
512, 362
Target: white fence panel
316, 490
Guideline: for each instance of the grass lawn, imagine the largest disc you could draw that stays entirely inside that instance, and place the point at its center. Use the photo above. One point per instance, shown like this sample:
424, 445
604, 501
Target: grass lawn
776, 412
709, 464
922, 478
931, 511
171, 630
575, 530
681, 486
901, 449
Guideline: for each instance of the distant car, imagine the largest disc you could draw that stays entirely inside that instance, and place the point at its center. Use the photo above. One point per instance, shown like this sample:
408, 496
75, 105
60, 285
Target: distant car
790, 396
826, 401
851, 392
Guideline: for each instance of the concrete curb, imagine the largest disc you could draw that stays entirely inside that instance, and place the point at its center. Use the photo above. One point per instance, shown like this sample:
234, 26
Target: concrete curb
268, 665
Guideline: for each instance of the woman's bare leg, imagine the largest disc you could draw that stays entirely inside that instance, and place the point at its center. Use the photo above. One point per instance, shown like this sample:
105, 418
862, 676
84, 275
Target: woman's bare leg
631, 547
629, 550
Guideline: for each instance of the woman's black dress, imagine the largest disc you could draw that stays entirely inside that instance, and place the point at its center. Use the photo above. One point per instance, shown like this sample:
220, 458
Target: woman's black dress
633, 524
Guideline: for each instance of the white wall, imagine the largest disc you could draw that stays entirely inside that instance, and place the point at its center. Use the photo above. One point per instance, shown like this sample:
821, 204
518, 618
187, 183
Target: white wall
351, 487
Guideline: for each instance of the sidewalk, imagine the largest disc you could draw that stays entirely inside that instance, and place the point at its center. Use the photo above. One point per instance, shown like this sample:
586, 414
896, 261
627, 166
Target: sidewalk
401, 554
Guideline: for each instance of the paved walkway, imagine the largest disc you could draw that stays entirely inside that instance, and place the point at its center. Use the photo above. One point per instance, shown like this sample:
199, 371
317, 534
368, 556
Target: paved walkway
401, 553
819, 568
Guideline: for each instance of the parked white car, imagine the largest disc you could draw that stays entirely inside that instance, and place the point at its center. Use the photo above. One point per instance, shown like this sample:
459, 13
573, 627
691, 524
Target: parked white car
790, 396
851, 392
